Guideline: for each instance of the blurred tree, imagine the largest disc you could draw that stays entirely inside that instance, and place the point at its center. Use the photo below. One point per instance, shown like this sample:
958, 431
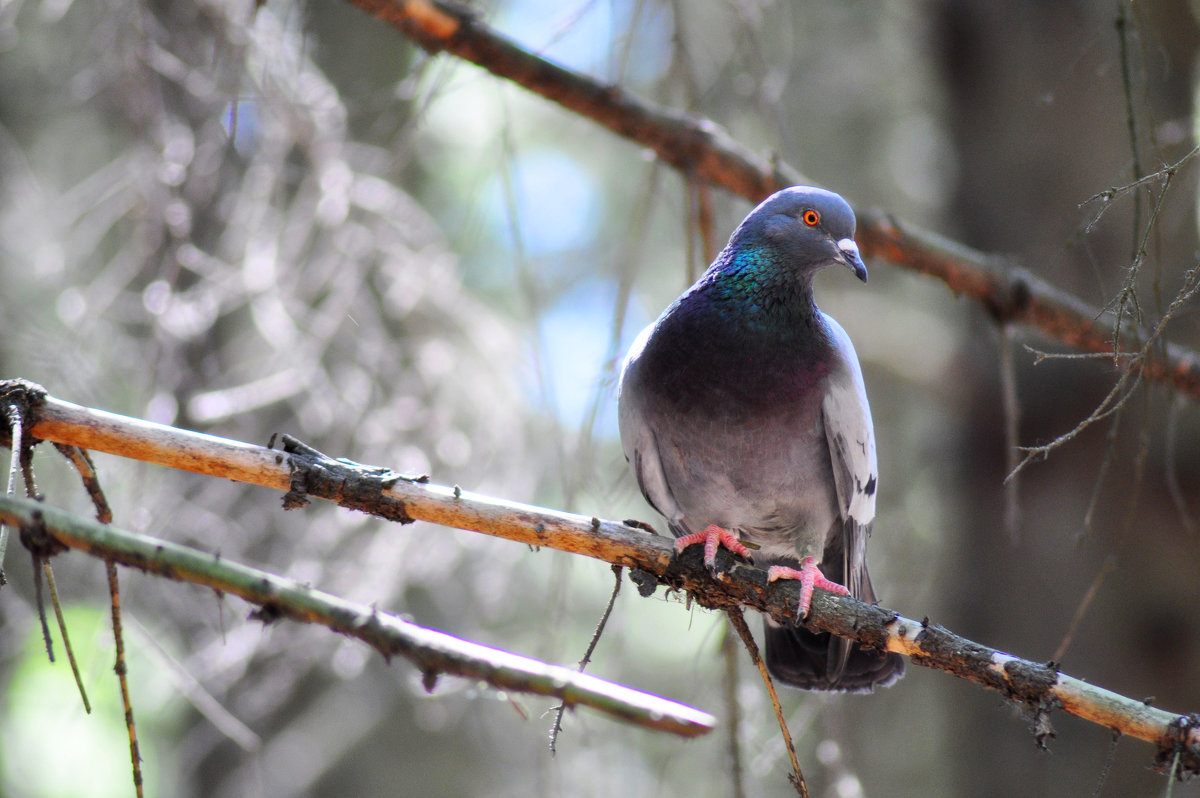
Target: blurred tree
247, 218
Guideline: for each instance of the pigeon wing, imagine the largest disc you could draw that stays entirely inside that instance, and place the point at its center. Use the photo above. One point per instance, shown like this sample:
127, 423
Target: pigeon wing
638, 439
851, 439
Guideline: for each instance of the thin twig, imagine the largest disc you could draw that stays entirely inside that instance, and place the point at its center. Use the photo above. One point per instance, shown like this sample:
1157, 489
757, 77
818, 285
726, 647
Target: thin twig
83, 464
1111, 404
1109, 758
1011, 405
1172, 775
618, 571
27, 475
1171, 466
121, 670
704, 222
739, 623
38, 598
1110, 454
691, 257
733, 712
1127, 297
1130, 114
1040, 355
17, 437
1133, 490
1129, 381
1081, 610
86, 469
62, 628
204, 702
1106, 196
47, 571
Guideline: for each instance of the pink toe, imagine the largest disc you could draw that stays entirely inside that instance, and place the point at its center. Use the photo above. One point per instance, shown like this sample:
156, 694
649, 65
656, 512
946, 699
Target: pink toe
713, 537
810, 577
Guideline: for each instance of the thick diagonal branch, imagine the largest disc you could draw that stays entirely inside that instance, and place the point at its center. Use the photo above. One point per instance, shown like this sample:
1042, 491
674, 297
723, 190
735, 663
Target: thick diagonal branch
1037, 687
706, 152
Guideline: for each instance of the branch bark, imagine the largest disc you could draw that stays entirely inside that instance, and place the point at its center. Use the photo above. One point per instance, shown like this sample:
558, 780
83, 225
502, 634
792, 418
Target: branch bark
704, 151
1039, 688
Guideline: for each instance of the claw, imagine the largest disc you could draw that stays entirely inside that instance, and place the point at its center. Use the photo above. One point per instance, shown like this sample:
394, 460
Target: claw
712, 537
810, 577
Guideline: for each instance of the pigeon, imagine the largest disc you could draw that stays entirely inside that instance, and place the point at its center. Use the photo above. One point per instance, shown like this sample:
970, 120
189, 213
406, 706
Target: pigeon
744, 416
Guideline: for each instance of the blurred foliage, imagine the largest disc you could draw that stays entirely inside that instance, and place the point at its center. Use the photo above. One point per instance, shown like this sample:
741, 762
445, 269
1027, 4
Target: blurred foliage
253, 219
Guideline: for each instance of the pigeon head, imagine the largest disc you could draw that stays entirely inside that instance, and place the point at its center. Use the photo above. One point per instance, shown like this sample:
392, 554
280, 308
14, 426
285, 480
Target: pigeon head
805, 228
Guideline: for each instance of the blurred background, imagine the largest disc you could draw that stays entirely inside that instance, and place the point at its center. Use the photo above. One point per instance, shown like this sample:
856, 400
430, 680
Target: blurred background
283, 217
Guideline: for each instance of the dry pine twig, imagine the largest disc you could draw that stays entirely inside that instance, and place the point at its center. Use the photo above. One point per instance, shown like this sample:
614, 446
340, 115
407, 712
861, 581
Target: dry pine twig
1039, 688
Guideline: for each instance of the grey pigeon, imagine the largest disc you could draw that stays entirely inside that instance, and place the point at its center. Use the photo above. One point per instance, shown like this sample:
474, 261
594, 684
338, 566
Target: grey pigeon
744, 416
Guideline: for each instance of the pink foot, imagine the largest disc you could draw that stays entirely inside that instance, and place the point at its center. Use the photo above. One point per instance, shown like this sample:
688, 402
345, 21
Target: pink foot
711, 538
810, 576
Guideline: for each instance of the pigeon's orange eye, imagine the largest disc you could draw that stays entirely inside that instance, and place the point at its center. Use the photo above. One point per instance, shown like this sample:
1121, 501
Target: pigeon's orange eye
811, 218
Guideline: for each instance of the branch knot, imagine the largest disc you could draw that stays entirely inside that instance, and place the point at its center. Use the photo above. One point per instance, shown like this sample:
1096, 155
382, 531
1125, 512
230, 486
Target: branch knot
38, 540
349, 484
1179, 755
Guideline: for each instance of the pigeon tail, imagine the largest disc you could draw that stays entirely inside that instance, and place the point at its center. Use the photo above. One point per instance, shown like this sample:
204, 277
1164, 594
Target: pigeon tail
809, 661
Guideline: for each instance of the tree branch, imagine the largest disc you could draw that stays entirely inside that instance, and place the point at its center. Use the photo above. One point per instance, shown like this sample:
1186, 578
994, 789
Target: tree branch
433, 652
1038, 688
703, 150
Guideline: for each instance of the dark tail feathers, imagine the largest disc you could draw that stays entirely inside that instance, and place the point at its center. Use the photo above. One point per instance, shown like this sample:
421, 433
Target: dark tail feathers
811, 661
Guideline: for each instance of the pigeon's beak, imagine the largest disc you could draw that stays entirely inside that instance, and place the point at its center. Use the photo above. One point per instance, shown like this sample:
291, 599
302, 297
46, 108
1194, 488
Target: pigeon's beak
848, 252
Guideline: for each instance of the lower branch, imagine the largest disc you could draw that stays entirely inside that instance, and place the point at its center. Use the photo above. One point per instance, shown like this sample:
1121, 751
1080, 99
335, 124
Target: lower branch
1037, 687
433, 652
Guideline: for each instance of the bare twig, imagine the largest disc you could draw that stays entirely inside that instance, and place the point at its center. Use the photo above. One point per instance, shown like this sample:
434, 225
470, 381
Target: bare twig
1109, 758
733, 713
1127, 297
18, 395
1012, 427
1130, 379
196, 694
738, 621
1130, 114
587, 655
87, 474
16, 427
62, 629
700, 227
1133, 489
390, 496
91, 482
38, 598
704, 222
1170, 467
1110, 454
121, 670
1105, 197
1081, 610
